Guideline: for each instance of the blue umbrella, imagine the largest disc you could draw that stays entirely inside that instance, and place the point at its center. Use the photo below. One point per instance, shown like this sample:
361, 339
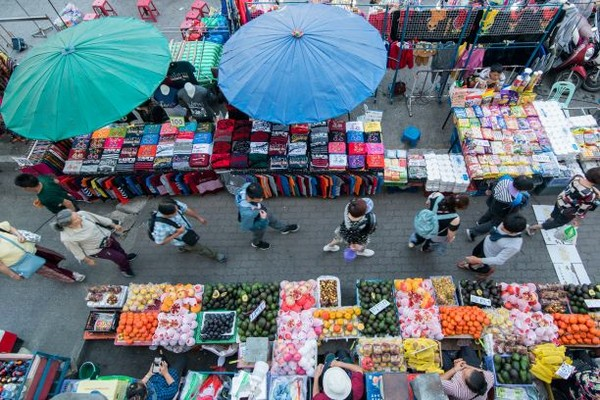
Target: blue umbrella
302, 63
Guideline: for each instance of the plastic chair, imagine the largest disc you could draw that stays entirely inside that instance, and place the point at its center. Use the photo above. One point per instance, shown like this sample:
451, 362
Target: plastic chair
411, 136
560, 89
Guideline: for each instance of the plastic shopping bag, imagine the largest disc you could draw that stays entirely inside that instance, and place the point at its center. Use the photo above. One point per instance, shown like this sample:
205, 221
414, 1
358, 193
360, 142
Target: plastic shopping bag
566, 233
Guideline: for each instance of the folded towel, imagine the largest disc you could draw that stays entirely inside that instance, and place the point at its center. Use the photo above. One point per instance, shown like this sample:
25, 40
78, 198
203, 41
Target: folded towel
277, 149
337, 137
375, 148
373, 137
356, 126
355, 137
356, 162
242, 133
299, 129
150, 129
338, 161
221, 148
207, 127
239, 161
297, 149
202, 148
375, 161
220, 160
146, 139
337, 126
299, 137
320, 161
259, 148
225, 125
298, 162
259, 136
199, 160
241, 147
337, 148
204, 137
279, 162
168, 129
372, 126
357, 149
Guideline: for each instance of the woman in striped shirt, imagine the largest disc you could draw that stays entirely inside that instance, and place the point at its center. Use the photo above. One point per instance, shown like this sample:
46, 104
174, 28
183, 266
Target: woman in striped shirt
465, 381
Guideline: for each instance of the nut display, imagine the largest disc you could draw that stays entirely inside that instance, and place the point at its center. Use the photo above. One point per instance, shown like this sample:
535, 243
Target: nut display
553, 298
328, 292
445, 291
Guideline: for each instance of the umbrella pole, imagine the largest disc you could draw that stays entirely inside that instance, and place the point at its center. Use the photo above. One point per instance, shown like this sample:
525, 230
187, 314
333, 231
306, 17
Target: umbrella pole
57, 13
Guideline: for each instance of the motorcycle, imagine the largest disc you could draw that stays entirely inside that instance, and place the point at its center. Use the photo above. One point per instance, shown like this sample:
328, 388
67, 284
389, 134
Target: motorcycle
592, 80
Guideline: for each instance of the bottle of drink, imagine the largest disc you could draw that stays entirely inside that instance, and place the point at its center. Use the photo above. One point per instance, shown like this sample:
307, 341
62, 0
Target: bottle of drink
537, 75
517, 82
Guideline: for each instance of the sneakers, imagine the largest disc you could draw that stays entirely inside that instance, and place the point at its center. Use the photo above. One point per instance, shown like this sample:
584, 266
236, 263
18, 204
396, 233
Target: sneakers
365, 253
470, 236
290, 228
221, 258
131, 257
262, 245
127, 274
426, 249
78, 277
529, 231
331, 248
411, 245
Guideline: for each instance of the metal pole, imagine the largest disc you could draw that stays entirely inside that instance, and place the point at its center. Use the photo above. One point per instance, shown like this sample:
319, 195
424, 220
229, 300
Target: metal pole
543, 38
404, 27
57, 13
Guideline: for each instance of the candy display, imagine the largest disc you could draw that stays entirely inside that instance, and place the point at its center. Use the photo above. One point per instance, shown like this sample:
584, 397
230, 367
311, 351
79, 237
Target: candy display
142, 297
217, 326
512, 369
175, 330
339, 322
445, 290
299, 325
547, 360
378, 313
471, 293
250, 297
586, 133
106, 296
381, 354
297, 296
576, 329
220, 297
420, 323
178, 297
294, 357
533, 327
465, 320
423, 355
520, 296
12, 374
553, 298
329, 292
136, 328
578, 294
414, 293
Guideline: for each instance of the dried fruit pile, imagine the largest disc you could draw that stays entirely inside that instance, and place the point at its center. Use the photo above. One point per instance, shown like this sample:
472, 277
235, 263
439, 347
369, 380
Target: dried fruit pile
328, 293
445, 290
553, 298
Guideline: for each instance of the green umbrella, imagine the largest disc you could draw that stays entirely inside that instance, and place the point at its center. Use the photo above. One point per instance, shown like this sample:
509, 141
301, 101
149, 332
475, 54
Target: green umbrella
84, 78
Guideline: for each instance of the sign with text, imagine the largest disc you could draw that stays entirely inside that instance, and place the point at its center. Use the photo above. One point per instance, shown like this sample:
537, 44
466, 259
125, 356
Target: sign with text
565, 370
261, 307
481, 300
379, 307
177, 121
592, 303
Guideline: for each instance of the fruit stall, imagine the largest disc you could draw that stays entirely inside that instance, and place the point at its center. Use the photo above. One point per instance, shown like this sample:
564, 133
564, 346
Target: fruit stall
396, 328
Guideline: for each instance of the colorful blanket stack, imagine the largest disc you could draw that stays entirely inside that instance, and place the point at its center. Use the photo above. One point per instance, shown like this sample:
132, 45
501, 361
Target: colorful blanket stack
221, 157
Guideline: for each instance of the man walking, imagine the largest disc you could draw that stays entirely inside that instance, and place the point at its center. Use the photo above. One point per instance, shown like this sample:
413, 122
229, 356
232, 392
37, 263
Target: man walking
170, 225
254, 217
49, 193
502, 243
508, 196
579, 197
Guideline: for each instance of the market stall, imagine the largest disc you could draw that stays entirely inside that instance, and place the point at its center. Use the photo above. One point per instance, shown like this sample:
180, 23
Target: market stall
397, 329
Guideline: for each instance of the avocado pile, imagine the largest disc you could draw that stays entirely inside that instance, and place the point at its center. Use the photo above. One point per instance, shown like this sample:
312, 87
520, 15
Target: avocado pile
512, 370
217, 326
220, 297
486, 289
386, 322
249, 296
578, 294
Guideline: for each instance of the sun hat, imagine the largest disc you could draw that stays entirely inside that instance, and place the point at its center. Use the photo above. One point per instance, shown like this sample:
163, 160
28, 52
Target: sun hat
336, 383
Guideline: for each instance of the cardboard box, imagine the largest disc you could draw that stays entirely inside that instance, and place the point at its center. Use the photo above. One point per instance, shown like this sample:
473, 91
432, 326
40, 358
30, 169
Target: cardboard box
112, 389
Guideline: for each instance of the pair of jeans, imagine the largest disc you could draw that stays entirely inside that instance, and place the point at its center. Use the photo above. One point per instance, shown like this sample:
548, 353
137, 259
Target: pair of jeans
557, 219
115, 253
486, 223
200, 249
258, 235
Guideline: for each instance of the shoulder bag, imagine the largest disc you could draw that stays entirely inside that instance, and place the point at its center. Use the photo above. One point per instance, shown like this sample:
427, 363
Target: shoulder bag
190, 237
28, 264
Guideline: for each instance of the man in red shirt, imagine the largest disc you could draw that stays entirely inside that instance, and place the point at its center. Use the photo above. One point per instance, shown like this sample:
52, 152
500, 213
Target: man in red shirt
337, 385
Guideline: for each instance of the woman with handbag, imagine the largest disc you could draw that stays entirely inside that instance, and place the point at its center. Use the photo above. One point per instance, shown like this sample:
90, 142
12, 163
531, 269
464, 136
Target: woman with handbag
21, 258
89, 236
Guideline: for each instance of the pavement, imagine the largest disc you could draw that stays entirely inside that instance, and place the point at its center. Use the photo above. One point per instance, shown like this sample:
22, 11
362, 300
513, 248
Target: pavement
50, 316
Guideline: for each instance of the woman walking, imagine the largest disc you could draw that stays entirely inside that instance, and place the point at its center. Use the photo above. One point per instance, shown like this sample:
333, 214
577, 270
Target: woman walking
13, 247
89, 236
358, 225
448, 221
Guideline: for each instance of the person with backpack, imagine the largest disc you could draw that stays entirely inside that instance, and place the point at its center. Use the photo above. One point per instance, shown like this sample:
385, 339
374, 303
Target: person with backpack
507, 196
437, 224
579, 197
170, 225
254, 217
502, 243
356, 229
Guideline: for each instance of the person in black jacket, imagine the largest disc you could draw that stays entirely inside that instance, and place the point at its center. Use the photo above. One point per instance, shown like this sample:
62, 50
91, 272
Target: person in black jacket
358, 225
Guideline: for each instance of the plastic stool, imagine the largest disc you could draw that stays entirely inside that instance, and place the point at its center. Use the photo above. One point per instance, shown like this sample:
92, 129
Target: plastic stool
411, 136
103, 8
147, 10
202, 7
192, 15
184, 28
90, 16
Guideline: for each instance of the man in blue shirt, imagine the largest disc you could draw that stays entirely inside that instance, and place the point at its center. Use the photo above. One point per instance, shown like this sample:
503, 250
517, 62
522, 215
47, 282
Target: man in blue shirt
163, 385
165, 233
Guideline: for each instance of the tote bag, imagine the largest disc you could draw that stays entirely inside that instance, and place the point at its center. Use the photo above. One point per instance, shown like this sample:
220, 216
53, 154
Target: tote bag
28, 264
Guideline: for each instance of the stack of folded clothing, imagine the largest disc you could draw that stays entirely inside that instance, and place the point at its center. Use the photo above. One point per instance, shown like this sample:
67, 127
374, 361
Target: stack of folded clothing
375, 159
357, 152
278, 147
94, 153
240, 148
298, 146
319, 152
166, 147
373, 132
110, 154
221, 154
77, 154
183, 149
147, 150
201, 148
131, 145
259, 144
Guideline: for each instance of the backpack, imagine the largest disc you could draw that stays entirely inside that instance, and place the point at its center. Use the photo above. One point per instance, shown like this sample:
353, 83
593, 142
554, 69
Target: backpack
427, 222
371, 223
152, 223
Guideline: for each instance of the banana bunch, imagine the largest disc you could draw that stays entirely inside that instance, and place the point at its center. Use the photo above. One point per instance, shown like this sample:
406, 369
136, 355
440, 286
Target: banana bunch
548, 359
423, 355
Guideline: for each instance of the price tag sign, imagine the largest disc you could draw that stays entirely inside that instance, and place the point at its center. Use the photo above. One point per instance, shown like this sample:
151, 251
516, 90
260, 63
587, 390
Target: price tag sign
592, 303
379, 307
177, 121
261, 307
481, 300
505, 393
565, 371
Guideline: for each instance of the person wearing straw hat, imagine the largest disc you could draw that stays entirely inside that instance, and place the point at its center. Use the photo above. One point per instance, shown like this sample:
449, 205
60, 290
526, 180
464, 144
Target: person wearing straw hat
337, 385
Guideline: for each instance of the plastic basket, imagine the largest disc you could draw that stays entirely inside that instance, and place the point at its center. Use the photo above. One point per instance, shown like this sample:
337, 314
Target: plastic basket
455, 289
488, 363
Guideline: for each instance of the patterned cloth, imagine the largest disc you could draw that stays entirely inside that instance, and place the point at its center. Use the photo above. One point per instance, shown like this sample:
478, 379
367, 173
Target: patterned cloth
576, 198
158, 389
162, 230
587, 384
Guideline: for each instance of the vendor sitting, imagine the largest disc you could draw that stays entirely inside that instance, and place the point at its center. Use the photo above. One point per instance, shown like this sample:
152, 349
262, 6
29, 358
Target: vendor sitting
162, 385
464, 380
342, 380
491, 78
